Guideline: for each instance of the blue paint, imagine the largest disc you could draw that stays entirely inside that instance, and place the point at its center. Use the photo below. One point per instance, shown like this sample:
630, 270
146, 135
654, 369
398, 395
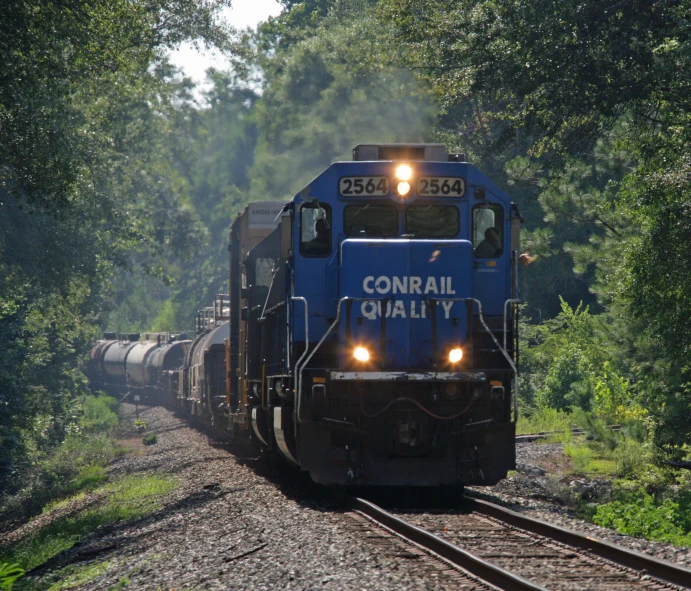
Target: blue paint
352, 260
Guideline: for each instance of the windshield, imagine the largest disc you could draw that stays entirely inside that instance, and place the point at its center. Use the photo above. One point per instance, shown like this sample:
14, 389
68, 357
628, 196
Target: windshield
432, 221
370, 221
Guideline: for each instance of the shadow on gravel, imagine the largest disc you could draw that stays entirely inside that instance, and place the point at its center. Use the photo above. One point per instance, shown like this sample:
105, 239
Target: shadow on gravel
299, 487
165, 429
118, 536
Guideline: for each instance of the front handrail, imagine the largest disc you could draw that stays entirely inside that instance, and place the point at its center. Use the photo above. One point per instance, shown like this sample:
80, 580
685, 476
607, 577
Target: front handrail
515, 370
299, 368
496, 342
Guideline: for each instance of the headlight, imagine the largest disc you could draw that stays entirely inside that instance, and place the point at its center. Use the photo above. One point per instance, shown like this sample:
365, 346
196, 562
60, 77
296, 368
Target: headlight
403, 188
455, 355
361, 354
404, 172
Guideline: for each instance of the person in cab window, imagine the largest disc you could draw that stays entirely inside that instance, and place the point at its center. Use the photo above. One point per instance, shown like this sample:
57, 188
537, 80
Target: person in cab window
321, 243
491, 246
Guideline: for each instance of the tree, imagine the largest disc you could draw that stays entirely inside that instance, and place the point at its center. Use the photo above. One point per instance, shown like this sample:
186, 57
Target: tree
84, 183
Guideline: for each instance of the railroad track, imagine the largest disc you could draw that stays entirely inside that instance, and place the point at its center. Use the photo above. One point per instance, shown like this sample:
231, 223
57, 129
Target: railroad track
528, 437
518, 553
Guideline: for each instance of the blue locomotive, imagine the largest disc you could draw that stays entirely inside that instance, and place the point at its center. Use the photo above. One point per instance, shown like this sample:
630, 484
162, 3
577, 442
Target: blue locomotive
370, 330
372, 333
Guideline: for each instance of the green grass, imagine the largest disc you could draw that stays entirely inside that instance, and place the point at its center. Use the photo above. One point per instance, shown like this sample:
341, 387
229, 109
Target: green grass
544, 419
61, 504
89, 477
126, 499
589, 461
603, 466
74, 576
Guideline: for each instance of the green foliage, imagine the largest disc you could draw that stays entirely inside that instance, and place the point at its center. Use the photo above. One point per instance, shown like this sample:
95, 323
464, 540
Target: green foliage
637, 513
611, 394
564, 354
594, 94
9, 573
88, 110
99, 414
327, 93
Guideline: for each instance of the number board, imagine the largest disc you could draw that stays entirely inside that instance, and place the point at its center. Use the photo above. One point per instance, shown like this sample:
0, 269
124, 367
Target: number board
367, 186
433, 186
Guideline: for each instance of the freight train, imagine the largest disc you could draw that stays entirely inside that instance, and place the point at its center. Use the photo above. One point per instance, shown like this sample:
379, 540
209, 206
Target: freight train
369, 333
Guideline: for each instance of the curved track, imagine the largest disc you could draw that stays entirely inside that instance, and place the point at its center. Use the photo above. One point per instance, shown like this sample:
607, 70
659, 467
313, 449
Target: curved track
518, 553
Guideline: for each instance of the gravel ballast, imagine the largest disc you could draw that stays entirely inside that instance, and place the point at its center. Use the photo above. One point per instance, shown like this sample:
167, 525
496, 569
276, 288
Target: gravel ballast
230, 525
240, 521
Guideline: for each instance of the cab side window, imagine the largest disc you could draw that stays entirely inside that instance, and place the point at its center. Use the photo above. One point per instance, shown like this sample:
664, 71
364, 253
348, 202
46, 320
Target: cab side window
315, 230
488, 230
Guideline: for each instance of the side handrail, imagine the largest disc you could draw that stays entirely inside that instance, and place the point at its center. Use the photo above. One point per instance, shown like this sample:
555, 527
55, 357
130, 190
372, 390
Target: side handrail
307, 341
506, 303
274, 272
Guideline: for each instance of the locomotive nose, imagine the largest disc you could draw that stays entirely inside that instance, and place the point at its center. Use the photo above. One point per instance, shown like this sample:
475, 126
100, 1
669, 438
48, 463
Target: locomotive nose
408, 309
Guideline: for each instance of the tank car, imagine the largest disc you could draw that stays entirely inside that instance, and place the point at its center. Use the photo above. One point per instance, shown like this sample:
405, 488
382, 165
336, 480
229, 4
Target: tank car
372, 324
202, 377
145, 369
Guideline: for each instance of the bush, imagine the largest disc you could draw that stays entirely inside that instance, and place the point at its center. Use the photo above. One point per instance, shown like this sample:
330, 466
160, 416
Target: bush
100, 414
636, 513
150, 439
89, 477
73, 465
596, 429
582, 457
631, 457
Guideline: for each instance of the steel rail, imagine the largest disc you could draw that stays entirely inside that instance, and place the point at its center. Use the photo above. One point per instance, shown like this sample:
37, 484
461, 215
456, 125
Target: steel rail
528, 437
474, 565
660, 569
